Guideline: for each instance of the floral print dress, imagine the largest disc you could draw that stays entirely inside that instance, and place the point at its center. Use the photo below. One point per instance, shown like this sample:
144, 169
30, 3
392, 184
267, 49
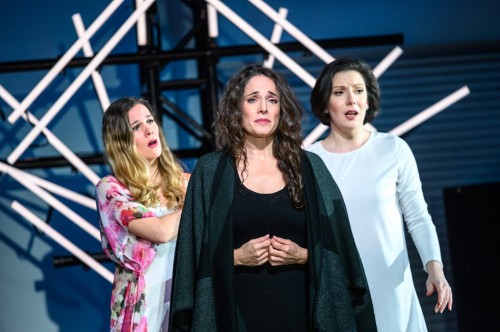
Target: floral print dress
140, 298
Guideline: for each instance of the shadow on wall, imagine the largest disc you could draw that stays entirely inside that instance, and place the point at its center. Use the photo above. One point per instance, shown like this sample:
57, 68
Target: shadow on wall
71, 292
43, 296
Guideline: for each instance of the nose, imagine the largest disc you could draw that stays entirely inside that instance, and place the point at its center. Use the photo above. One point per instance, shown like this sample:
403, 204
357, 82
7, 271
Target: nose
351, 100
149, 131
263, 107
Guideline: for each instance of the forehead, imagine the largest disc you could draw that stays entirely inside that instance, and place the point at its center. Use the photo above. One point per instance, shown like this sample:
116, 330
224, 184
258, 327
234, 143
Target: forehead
138, 112
348, 77
260, 83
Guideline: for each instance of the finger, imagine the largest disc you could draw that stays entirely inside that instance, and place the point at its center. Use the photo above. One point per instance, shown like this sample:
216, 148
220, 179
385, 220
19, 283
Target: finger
448, 298
264, 254
263, 260
436, 308
443, 298
262, 245
450, 302
275, 261
444, 301
275, 253
287, 246
430, 288
258, 259
281, 240
277, 246
440, 300
260, 239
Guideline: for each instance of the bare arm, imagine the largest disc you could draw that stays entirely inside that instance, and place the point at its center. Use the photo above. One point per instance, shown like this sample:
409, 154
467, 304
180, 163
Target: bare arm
156, 229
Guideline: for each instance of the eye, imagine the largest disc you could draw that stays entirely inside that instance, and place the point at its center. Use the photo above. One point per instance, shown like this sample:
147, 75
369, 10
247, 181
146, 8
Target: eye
136, 127
150, 121
251, 100
359, 91
273, 101
338, 92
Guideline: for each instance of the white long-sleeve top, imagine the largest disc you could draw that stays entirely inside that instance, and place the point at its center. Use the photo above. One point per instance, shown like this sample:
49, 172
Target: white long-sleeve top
381, 188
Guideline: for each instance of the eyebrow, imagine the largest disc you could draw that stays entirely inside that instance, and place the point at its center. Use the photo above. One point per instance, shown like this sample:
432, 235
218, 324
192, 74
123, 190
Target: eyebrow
257, 92
137, 121
343, 86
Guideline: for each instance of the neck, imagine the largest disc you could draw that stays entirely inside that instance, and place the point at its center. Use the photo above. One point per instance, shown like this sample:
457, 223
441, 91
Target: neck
345, 142
259, 148
153, 172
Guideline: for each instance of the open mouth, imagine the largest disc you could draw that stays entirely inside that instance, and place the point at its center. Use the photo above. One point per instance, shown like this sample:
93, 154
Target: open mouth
152, 143
351, 114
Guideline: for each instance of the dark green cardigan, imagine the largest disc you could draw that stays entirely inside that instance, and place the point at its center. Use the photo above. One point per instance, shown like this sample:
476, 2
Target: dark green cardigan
202, 291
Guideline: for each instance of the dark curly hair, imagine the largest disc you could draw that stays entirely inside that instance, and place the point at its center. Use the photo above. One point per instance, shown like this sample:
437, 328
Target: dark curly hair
320, 95
287, 140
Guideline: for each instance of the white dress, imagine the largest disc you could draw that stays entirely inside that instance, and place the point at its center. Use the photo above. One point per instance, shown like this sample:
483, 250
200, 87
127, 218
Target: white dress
380, 184
140, 298
158, 280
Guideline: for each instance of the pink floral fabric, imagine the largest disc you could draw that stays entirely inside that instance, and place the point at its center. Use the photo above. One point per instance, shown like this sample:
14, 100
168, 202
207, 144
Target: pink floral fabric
132, 256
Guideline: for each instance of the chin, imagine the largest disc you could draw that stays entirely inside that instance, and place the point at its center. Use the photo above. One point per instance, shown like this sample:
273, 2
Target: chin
153, 158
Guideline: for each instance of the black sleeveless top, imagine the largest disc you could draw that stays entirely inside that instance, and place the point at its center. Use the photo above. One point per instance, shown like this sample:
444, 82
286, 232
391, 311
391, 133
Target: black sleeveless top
269, 298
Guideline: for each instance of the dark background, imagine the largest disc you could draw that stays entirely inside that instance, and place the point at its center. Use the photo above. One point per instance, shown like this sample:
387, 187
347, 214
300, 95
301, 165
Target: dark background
446, 45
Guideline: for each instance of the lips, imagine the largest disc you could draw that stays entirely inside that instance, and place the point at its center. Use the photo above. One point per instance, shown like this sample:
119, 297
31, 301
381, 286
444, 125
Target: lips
153, 143
263, 121
351, 115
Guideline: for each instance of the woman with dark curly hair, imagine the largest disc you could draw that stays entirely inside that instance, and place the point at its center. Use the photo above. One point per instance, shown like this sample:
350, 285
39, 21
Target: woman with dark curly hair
264, 240
378, 177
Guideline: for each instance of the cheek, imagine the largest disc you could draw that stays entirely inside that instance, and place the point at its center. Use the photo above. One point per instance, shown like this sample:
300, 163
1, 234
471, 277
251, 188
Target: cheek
277, 113
244, 120
331, 106
246, 111
137, 142
276, 109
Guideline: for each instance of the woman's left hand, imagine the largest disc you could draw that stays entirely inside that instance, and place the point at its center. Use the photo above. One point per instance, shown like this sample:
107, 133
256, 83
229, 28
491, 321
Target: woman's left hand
437, 282
285, 252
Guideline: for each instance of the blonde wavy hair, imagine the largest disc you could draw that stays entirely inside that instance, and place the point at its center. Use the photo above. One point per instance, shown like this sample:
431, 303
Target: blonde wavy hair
132, 169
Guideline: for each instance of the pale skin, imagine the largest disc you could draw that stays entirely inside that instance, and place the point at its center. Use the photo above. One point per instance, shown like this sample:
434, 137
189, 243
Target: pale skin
347, 109
147, 143
261, 111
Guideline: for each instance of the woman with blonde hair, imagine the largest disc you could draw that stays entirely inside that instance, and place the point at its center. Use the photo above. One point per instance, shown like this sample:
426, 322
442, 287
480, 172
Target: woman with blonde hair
139, 208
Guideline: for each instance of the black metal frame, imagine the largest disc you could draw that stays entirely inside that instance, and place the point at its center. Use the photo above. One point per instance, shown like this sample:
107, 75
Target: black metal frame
155, 59
152, 60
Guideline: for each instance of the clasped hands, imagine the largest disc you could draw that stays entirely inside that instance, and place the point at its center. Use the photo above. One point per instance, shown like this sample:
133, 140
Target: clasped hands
275, 250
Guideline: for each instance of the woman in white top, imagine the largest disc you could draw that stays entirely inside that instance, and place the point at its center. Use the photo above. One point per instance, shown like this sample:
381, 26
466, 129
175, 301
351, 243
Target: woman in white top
378, 177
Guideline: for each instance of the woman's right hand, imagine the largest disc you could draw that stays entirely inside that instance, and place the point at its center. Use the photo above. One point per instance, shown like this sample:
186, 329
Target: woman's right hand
254, 252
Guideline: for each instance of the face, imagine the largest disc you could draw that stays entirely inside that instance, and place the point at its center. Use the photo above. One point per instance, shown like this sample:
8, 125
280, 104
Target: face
261, 107
145, 129
348, 101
